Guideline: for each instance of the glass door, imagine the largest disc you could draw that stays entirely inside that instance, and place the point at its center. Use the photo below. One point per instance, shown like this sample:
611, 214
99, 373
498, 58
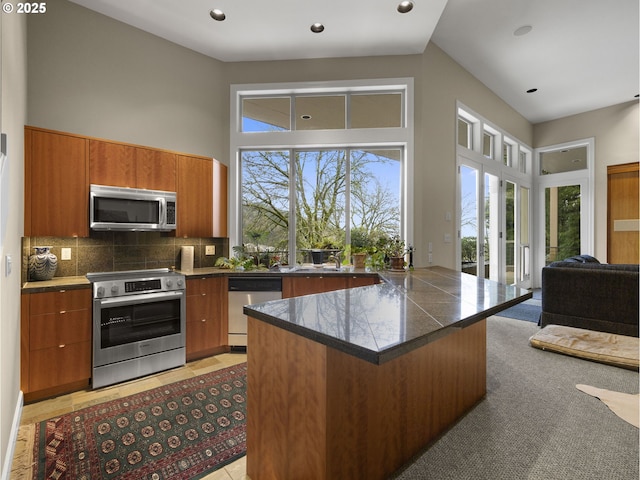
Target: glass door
564, 202
469, 234
494, 225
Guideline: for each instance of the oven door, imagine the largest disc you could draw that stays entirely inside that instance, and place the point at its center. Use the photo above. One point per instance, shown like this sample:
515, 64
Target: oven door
137, 325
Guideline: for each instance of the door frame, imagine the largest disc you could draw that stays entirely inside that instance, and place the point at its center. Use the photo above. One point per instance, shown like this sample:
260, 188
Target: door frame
584, 178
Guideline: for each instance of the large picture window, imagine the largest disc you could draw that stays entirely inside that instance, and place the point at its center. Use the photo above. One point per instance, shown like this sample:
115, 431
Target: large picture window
320, 168
340, 197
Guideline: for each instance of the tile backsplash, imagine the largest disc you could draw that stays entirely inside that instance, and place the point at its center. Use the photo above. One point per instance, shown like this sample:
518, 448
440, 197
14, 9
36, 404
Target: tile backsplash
117, 251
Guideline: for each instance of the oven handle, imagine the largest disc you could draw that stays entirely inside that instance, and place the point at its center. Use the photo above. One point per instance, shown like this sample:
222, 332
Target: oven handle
137, 299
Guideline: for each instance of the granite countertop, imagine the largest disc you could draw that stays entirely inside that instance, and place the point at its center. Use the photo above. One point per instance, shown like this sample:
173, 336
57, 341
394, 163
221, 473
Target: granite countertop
71, 282
56, 283
381, 322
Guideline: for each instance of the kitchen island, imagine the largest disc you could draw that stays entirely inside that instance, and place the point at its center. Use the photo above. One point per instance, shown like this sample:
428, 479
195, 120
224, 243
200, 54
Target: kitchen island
353, 383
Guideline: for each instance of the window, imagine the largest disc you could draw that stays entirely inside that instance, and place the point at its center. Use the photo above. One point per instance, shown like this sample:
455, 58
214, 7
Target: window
465, 131
493, 203
565, 160
487, 144
320, 167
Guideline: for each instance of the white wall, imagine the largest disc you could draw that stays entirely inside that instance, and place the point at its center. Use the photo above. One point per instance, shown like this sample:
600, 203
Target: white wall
616, 130
13, 109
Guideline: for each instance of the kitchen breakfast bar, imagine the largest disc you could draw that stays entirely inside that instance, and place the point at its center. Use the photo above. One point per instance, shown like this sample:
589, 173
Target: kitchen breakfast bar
351, 384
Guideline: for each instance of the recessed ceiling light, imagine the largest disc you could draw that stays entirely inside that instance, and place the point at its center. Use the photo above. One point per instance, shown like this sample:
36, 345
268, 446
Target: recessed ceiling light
532, 90
217, 14
317, 28
405, 6
305, 117
522, 30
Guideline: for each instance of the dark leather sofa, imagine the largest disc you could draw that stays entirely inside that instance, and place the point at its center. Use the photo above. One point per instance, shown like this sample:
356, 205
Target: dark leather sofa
584, 293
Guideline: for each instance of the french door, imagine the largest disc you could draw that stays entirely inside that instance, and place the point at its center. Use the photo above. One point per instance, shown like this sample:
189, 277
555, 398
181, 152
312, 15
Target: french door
494, 224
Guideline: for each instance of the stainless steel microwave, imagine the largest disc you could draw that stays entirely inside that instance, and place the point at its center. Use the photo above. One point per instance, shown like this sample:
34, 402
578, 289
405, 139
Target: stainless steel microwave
131, 209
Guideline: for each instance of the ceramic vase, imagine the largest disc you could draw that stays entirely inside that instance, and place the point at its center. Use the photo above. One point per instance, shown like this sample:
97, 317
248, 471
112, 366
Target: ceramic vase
42, 264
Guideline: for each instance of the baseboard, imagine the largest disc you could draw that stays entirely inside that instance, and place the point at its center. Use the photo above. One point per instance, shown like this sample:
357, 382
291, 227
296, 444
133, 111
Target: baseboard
13, 437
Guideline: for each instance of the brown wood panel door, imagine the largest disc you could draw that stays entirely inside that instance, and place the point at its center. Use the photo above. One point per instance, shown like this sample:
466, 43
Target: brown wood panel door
220, 204
194, 197
112, 164
60, 365
56, 185
155, 169
206, 315
623, 213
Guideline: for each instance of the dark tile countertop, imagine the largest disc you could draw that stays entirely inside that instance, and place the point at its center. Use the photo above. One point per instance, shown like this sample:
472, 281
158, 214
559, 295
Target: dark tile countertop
381, 322
58, 283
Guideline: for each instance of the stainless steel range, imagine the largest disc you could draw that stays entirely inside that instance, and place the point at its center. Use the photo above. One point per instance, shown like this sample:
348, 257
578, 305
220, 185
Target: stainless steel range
139, 319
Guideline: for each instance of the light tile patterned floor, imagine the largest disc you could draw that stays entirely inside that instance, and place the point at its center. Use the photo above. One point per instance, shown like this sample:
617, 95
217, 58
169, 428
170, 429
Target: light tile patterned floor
45, 409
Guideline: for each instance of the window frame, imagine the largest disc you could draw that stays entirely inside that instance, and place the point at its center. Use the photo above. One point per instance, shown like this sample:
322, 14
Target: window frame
358, 138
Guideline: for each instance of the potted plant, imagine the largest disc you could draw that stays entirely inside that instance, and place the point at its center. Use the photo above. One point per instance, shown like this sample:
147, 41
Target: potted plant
321, 251
395, 251
361, 245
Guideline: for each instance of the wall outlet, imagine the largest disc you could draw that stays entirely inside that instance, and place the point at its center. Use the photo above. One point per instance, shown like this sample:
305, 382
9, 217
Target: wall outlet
66, 254
210, 250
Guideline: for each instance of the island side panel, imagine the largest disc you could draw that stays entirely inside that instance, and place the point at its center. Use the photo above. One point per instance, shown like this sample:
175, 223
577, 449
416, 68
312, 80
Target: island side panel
317, 413
382, 415
286, 404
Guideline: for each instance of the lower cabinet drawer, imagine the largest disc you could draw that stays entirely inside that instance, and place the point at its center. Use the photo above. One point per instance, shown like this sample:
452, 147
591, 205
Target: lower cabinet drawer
55, 366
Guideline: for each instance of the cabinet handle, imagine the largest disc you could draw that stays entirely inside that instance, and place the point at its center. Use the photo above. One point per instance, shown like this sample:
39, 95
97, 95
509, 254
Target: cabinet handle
204, 294
61, 346
62, 312
203, 320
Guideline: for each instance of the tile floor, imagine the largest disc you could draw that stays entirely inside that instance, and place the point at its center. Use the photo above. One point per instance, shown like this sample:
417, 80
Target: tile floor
45, 409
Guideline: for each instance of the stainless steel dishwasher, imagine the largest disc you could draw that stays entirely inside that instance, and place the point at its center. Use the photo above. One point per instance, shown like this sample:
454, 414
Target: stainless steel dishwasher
248, 290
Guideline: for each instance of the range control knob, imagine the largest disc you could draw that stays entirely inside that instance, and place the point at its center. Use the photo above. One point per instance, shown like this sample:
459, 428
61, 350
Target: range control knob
114, 289
100, 292
180, 283
169, 283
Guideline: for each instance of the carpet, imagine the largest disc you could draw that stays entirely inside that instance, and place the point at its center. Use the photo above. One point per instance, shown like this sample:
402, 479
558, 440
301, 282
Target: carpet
183, 430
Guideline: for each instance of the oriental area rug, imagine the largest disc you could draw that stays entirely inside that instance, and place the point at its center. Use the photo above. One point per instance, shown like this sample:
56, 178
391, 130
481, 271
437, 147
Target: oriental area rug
184, 430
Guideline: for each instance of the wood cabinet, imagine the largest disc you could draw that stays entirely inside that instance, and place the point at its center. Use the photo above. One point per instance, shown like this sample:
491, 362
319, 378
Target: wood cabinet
155, 169
123, 165
220, 205
194, 196
55, 342
59, 167
207, 326
56, 201
296, 286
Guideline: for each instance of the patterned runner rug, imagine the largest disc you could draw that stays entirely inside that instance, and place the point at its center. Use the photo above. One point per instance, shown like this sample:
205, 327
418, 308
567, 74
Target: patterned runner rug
181, 431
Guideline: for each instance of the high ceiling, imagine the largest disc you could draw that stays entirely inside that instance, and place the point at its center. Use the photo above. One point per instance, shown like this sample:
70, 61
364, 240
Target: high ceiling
580, 55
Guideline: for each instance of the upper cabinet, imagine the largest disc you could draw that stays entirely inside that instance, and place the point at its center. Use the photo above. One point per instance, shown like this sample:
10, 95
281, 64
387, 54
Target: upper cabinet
155, 169
202, 197
56, 184
59, 167
121, 165
194, 196
219, 199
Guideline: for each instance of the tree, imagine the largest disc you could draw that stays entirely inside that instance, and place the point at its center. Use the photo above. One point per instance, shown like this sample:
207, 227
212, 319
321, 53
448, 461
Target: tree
320, 196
